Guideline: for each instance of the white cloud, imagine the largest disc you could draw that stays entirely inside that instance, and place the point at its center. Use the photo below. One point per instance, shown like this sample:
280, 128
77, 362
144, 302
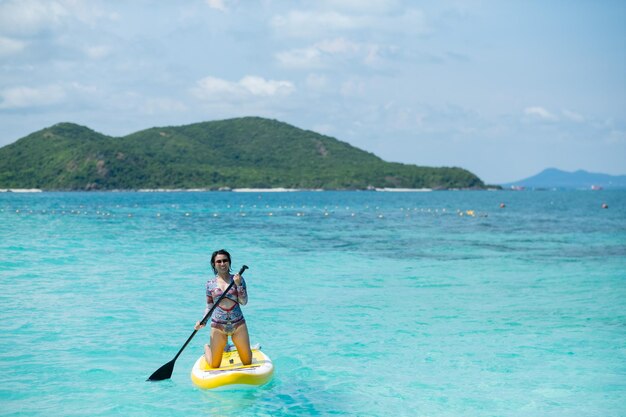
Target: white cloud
261, 87
10, 46
22, 97
312, 23
317, 23
300, 58
337, 46
26, 17
30, 17
369, 6
74, 94
217, 5
573, 116
322, 53
540, 113
211, 88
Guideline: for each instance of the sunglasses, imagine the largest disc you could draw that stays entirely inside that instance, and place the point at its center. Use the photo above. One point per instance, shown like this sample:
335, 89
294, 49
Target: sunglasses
222, 261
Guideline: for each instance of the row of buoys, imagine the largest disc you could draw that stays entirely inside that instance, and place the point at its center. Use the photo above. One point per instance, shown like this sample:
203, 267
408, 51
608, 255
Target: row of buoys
190, 214
604, 205
470, 213
281, 208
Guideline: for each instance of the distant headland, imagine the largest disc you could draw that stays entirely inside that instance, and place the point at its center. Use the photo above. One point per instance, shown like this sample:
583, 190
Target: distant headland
243, 153
553, 178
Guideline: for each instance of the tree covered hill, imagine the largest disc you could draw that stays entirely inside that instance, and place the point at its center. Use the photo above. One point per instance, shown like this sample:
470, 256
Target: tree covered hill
236, 153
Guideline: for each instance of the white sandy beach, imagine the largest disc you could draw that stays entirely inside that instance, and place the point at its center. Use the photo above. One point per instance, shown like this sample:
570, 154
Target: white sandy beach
20, 190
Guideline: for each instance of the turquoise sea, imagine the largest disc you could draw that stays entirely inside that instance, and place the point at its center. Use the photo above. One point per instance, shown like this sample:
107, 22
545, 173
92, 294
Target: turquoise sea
369, 303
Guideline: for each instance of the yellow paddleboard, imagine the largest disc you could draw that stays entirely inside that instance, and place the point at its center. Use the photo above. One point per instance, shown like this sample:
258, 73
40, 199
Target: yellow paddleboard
232, 371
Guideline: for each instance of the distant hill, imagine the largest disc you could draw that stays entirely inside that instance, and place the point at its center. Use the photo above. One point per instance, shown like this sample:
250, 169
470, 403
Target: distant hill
555, 178
236, 153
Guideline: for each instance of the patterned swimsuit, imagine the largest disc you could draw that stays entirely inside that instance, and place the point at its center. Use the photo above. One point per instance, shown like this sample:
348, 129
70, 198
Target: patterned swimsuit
224, 319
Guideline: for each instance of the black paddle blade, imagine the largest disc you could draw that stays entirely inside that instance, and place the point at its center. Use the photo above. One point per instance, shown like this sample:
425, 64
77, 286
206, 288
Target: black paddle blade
164, 372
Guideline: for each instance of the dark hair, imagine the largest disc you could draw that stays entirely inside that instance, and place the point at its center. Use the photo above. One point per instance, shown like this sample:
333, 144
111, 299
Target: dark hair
220, 252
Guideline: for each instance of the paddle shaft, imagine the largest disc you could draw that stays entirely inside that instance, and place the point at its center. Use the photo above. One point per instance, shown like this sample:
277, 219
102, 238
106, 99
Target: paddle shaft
208, 314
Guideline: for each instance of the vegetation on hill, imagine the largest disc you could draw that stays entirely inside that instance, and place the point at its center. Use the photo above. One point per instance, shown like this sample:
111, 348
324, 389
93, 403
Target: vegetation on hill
245, 152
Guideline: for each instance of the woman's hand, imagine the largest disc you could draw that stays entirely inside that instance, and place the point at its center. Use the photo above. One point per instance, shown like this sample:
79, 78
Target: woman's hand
237, 279
198, 326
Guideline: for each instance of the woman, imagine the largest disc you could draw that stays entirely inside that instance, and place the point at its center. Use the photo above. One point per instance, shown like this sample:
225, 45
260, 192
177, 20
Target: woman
227, 318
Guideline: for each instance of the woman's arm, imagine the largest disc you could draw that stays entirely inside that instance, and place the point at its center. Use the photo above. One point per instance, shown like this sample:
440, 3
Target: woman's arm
242, 292
209, 304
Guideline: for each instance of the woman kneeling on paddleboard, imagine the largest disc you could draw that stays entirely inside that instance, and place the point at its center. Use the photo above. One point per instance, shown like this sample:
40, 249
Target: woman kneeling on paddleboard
227, 318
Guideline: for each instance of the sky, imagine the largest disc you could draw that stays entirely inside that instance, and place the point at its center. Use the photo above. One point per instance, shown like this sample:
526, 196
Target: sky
504, 89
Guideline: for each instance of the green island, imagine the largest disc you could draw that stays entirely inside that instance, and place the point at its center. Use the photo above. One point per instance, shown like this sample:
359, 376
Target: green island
248, 152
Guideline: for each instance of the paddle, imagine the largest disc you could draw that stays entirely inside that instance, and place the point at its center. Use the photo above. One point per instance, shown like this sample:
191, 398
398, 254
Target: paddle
165, 372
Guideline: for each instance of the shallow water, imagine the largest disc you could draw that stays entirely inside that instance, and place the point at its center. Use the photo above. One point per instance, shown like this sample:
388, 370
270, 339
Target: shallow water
369, 304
